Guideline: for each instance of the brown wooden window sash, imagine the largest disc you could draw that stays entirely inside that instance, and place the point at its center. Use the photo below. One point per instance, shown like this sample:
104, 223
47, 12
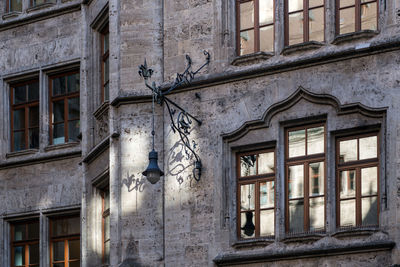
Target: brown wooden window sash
14, 9
105, 55
34, 3
25, 243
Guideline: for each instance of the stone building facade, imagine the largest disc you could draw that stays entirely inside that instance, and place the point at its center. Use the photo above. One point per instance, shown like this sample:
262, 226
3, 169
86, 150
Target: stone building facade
299, 140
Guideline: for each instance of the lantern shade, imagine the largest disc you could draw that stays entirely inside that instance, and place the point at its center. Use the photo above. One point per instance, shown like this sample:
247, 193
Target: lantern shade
153, 172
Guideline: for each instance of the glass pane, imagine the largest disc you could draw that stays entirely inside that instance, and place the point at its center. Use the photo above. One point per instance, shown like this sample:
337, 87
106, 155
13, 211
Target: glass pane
59, 86
106, 70
19, 256
107, 252
58, 134
369, 213
73, 83
295, 5
347, 184
73, 131
106, 92
297, 145
348, 212
248, 165
74, 249
246, 15
107, 228
314, 3
295, 28
74, 264
65, 226
246, 42
58, 111
316, 172
58, 251
316, 24
347, 20
19, 119
368, 147
247, 224
19, 232
33, 91
34, 138
16, 5
73, 108
296, 181
34, 254
266, 12
106, 200
247, 200
317, 214
106, 42
296, 216
369, 181
266, 195
38, 2
344, 3
19, 141
348, 150
267, 38
33, 230
19, 94
33, 116
267, 222
58, 265
315, 140
266, 163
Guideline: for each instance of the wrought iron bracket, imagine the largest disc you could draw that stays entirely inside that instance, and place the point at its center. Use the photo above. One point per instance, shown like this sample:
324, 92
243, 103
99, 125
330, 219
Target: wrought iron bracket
184, 119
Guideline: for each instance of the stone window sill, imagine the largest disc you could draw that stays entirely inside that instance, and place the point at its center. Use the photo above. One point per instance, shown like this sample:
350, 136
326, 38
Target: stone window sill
21, 153
248, 243
11, 14
252, 58
312, 45
351, 232
41, 6
354, 36
103, 108
61, 146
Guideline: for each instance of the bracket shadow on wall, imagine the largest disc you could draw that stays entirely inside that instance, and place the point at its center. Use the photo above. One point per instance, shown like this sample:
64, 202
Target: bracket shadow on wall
183, 121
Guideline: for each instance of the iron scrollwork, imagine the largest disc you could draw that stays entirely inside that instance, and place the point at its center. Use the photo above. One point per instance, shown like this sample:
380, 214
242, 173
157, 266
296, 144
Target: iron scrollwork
184, 119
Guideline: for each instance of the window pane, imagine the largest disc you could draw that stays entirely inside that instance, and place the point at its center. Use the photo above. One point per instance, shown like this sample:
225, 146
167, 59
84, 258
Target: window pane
267, 38
368, 147
247, 224
65, 226
107, 252
34, 138
369, 206
19, 256
347, 184
317, 214
19, 232
246, 15
19, 94
297, 145
296, 216
347, 20
73, 108
59, 86
106, 92
19, 141
295, 28
58, 111
316, 183
348, 212
296, 181
314, 3
295, 5
248, 165
107, 228
38, 2
106, 200
73, 83
348, 150
247, 200
267, 222
344, 3
33, 116
246, 42
369, 181
33, 91
266, 195
33, 230
73, 131
316, 24
106, 41
266, 163
74, 264
266, 12
16, 5
106, 70
315, 140
58, 134
19, 119
34, 254
74, 249
58, 251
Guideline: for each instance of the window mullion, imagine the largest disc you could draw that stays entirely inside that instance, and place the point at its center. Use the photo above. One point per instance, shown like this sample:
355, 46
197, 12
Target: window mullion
26, 130
65, 119
306, 30
358, 15
306, 198
256, 26
257, 208
358, 196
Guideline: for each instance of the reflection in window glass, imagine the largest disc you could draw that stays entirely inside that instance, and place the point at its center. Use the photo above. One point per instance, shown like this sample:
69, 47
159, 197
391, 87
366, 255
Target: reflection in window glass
346, 3
369, 181
267, 38
295, 5
295, 28
315, 140
296, 216
368, 147
316, 24
267, 195
369, 214
246, 42
369, 16
247, 225
246, 15
296, 181
347, 184
348, 150
348, 213
315, 3
297, 145
266, 15
317, 214
266, 163
19, 256
15, 5
34, 254
347, 20
248, 165
316, 183
247, 193
267, 222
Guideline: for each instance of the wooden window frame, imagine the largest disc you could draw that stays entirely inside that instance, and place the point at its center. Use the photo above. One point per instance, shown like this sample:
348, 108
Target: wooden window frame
104, 214
306, 15
65, 98
256, 180
25, 243
305, 160
65, 239
357, 5
8, 7
104, 56
357, 165
256, 27
26, 105
45, 2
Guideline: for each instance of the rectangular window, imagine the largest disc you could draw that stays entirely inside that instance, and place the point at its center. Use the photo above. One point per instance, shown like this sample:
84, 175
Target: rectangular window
24, 115
65, 242
255, 26
304, 21
25, 244
14, 5
105, 64
357, 181
64, 108
256, 194
40, 2
105, 225
356, 15
305, 179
